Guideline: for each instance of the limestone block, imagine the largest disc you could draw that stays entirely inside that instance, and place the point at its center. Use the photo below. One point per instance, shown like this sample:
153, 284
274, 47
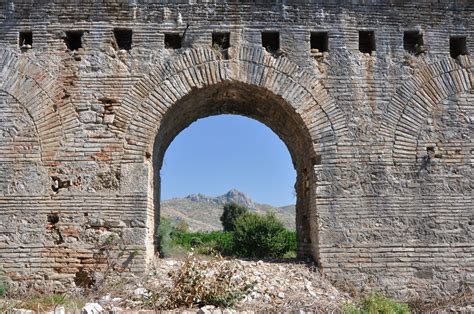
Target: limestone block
134, 178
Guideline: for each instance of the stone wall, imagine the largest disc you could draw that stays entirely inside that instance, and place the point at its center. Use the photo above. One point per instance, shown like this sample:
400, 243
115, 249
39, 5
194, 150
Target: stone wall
381, 141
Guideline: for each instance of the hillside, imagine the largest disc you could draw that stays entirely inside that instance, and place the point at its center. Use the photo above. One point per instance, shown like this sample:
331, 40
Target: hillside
202, 212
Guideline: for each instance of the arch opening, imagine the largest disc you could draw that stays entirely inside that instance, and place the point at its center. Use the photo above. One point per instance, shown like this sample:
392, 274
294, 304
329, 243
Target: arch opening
226, 158
261, 105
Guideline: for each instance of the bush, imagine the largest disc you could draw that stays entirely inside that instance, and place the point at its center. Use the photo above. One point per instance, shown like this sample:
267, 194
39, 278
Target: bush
232, 212
3, 286
164, 237
376, 304
260, 236
205, 242
182, 226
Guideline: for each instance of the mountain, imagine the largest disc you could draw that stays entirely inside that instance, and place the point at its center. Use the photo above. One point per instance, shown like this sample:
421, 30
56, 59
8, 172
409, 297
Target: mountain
202, 212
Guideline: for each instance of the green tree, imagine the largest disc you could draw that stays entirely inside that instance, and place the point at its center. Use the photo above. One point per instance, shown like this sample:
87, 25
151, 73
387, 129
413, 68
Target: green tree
232, 212
260, 236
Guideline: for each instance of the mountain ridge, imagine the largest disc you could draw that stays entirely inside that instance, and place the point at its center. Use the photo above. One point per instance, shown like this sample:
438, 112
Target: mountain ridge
202, 212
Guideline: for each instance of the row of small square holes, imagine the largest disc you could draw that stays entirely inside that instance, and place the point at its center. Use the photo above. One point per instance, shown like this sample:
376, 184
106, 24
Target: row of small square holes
412, 41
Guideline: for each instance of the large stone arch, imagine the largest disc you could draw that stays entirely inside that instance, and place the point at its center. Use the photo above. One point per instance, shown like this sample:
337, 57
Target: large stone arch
415, 99
35, 89
275, 91
141, 111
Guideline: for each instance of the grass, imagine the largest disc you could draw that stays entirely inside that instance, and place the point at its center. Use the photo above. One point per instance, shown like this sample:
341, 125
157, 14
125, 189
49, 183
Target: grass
42, 304
376, 304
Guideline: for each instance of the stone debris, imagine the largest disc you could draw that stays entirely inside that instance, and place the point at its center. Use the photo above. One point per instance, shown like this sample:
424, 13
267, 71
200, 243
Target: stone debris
141, 292
92, 308
275, 285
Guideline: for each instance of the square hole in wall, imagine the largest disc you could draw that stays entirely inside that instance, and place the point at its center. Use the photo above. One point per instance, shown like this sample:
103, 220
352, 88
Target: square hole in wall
366, 41
73, 40
221, 40
319, 41
123, 38
221, 43
413, 41
271, 41
457, 46
25, 39
173, 41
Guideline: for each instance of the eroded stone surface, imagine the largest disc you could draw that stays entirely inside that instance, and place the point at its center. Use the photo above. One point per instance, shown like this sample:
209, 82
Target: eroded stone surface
382, 142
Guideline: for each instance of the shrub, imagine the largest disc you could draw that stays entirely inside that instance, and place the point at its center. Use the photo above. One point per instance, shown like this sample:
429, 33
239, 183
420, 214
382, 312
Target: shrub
290, 235
260, 236
376, 304
232, 212
205, 242
182, 226
200, 283
3, 286
164, 237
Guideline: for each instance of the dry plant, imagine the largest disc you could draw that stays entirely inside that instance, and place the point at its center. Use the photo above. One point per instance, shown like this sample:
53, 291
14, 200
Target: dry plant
463, 298
198, 283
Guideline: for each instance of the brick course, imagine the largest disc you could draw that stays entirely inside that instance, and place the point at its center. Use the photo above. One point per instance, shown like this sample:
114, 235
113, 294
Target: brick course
382, 142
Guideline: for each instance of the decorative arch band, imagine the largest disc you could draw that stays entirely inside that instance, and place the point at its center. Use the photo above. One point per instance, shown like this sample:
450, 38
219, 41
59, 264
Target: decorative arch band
149, 100
36, 90
414, 101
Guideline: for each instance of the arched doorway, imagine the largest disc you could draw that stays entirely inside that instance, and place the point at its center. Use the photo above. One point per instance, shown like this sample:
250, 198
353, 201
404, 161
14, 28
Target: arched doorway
264, 106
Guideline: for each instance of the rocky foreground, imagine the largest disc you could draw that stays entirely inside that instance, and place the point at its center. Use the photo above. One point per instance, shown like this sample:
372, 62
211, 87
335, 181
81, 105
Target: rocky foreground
180, 284
265, 286
236, 285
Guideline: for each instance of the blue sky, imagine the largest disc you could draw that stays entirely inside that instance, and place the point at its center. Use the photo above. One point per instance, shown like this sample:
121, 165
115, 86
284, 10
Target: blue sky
218, 153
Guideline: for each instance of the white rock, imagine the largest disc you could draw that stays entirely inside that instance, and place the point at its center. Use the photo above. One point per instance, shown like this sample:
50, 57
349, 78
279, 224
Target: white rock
208, 309
92, 308
141, 292
281, 295
309, 287
23, 311
105, 299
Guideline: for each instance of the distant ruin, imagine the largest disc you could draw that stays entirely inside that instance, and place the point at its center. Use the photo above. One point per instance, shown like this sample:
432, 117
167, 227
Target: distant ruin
374, 100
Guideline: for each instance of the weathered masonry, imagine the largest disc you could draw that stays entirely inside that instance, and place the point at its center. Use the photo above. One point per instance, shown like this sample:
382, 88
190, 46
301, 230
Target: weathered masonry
374, 100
